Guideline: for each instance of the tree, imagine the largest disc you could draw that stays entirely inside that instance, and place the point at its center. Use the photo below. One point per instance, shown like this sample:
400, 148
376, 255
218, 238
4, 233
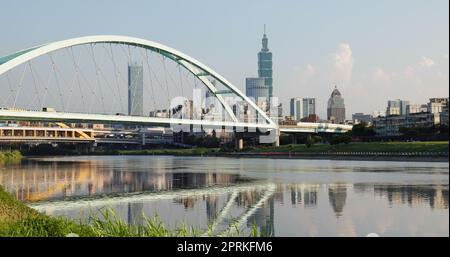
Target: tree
362, 130
339, 139
309, 141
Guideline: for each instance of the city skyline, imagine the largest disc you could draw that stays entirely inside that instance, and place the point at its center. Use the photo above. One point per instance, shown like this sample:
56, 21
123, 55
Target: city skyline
308, 61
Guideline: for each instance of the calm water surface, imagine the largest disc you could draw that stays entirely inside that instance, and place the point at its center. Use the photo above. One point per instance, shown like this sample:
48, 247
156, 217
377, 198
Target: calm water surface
283, 197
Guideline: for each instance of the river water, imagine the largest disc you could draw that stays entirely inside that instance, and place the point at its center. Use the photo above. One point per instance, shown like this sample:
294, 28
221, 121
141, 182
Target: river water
282, 197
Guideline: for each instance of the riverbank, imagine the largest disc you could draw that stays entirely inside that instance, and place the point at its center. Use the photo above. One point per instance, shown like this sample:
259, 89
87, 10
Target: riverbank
19, 220
376, 151
7, 157
342, 157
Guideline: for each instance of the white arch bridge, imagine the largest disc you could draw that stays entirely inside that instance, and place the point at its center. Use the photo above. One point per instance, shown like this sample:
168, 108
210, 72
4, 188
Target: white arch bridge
83, 98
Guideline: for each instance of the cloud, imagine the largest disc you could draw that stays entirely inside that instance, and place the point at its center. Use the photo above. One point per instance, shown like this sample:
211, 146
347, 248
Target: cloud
409, 72
426, 62
304, 75
381, 76
343, 65
310, 70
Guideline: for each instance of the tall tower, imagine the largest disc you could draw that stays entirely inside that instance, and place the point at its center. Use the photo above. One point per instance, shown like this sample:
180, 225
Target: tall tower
135, 90
265, 63
336, 107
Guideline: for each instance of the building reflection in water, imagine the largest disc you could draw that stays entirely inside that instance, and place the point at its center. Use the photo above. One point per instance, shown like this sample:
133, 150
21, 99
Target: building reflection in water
304, 194
46, 181
435, 196
337, 195
55, 181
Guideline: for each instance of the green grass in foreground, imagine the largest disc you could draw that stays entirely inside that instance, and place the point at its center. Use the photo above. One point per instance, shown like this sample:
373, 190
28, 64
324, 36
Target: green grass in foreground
441, 146
7, 157
18, 220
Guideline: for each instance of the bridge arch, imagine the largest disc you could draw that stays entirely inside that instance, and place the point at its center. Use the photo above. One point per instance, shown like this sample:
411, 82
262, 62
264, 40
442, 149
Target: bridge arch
194, 66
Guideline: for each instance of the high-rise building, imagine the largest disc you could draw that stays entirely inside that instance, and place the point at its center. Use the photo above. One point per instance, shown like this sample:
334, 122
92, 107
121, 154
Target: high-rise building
435, 104
302, 107
443, 116
359, 117
135, 90
397, 107
336, 107
309, 107
265, 63
256, 89
416, 108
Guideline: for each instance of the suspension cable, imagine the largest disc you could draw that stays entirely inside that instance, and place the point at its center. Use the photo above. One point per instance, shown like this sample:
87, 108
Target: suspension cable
57, 81
49, 77
19, 86
116, 73
99, 68
35, 84
98, 79
150, 78
77, 72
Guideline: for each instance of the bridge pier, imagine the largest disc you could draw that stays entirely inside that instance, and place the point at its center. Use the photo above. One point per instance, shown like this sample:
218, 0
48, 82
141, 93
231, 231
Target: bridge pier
277, 138
238, 141
294, 139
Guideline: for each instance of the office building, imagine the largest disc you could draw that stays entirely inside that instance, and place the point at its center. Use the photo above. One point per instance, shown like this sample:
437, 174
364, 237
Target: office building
389, 126
358, 117
396, 107
416, 108
435, 105
302, 108
258, 91
336, 107
265, 64
135, 90
443, 116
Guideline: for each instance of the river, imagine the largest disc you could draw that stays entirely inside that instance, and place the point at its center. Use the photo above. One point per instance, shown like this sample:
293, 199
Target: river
282, 197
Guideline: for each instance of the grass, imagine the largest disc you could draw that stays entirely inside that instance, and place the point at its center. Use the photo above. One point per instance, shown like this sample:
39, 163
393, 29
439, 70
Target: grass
178, 152
18, 220
8, 157
393, 147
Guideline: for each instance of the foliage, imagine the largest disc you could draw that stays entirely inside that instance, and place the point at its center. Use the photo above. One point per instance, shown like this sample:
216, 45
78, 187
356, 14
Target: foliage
209, 141
362, 130
309, 141
429, 147
9, 157
423, 132
339, 139
18, 220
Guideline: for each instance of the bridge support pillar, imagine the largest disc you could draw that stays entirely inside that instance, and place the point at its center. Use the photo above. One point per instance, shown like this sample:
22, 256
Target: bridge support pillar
277, 138
143, 138
238, 141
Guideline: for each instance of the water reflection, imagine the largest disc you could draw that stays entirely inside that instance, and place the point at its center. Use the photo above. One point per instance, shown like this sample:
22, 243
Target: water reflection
337, 194
202, 193
65, 180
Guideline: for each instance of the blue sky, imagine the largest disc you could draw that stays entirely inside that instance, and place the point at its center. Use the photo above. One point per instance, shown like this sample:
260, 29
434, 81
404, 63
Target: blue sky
373, 50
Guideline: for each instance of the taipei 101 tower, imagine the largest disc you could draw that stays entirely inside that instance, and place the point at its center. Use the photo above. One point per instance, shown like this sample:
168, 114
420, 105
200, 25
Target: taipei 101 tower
265, 63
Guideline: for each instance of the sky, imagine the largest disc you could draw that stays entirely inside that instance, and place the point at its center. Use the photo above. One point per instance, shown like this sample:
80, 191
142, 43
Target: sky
372, 50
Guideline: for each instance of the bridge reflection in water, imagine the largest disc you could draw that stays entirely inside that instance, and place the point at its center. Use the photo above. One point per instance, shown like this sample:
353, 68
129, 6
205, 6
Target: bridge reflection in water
79, 188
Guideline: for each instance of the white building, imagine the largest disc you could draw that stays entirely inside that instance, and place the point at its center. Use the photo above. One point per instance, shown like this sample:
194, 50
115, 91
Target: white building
302, 107
135, 90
